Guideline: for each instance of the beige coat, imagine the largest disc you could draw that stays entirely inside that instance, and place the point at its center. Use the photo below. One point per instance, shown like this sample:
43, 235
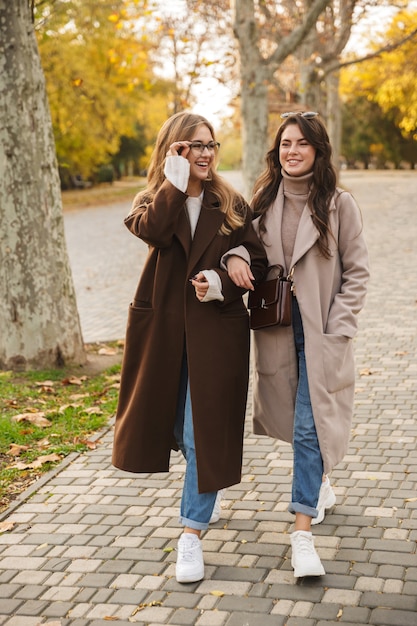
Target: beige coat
330, 294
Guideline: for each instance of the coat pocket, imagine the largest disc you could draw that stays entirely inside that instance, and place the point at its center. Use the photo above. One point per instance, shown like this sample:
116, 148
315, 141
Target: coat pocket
270, 349
338, 362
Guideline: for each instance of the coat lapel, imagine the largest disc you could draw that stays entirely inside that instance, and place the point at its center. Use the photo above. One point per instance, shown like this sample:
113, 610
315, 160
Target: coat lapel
307, 235
273, 239
183, 231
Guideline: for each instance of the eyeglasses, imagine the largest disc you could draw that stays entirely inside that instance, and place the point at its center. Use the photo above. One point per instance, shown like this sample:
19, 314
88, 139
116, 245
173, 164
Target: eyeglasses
198, 147
307, 114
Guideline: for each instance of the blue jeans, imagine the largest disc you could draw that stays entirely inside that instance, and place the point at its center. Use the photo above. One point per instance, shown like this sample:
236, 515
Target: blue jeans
308, 462
196, 508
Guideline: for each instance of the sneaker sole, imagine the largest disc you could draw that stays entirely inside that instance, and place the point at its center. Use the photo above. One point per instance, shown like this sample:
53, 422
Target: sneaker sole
301, 573
189, 579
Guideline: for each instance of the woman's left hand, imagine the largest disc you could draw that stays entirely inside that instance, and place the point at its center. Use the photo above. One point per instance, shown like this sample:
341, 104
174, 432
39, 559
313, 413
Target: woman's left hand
239, 271
200, 284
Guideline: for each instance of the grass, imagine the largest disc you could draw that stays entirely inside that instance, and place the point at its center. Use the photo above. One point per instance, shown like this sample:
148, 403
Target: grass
46, 415
103, 193
75, 407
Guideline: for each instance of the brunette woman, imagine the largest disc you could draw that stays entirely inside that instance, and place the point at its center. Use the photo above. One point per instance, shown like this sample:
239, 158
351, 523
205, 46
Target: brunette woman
305, 373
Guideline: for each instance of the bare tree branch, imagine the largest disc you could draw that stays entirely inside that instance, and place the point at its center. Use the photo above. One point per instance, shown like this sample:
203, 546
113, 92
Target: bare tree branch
388, 48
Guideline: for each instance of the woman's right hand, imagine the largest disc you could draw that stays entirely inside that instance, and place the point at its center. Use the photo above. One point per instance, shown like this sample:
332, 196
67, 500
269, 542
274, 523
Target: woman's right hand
239, 271
179, 148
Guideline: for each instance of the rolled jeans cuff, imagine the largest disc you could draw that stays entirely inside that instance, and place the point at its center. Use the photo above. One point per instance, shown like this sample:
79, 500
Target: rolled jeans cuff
296, 507
191, 523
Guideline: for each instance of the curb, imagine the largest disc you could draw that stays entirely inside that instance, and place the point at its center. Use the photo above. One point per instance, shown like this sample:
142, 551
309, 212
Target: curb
54, 471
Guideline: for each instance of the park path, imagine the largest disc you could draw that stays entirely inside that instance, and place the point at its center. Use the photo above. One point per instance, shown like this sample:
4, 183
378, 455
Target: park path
92, 545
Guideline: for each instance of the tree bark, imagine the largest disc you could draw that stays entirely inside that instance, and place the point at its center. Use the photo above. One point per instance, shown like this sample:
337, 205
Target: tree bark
39, 323
256, 73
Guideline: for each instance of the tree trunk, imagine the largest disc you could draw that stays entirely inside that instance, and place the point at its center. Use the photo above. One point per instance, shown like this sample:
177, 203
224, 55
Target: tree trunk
255, 115
257, 72
39, 323
334, 116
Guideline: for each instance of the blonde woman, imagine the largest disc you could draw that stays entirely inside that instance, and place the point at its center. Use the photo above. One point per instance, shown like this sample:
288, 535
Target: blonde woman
186, 363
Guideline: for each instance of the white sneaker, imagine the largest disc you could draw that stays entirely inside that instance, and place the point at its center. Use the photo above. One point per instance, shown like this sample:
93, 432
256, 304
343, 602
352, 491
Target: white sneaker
215, 516
327, 499
190, 562
304, 559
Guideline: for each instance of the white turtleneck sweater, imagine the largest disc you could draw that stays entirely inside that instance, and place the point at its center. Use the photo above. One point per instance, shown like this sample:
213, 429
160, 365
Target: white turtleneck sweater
177, 171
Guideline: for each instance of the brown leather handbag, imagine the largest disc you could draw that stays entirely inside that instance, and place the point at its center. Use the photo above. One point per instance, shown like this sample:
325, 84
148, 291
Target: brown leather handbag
270, 303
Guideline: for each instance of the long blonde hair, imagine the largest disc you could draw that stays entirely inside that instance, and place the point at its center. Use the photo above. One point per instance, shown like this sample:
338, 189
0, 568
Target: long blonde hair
181, 127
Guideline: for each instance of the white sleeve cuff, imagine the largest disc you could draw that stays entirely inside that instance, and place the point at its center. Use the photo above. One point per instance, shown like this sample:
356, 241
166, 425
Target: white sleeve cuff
239, 251
214, 291
177, 171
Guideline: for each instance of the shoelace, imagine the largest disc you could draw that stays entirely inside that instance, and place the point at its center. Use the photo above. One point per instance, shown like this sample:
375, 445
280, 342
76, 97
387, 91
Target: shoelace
305, 545
187, 551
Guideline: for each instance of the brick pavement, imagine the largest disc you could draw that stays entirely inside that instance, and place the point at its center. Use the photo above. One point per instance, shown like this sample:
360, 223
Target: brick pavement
92, 544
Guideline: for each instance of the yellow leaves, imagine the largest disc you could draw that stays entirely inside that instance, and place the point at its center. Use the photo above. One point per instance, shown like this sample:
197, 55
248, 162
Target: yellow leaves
143, 605
217, 593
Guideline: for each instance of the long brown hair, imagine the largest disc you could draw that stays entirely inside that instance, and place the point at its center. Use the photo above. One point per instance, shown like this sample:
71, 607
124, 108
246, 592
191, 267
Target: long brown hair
181, 127
323, 183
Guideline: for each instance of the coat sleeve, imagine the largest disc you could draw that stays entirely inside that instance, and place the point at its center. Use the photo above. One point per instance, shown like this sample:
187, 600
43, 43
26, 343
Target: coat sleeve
155, 222
353, 256
247, 238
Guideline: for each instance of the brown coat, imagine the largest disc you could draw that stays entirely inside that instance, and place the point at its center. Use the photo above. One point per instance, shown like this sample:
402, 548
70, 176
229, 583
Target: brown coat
165, 318
330, 294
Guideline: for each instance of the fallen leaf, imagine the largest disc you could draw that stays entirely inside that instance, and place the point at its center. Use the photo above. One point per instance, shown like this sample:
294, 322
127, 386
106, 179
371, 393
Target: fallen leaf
366, 372
217, 593
37, 419
16, 449
91, 445
41, 460
74, 380
64, 407
410, 500
107, 351
168, 549
45, 383
143, 605
339, 613
43, 444
115, 377
93, 410
5, 526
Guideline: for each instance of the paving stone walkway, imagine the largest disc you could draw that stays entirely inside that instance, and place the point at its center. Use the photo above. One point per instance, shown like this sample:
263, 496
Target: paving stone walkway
93, 545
